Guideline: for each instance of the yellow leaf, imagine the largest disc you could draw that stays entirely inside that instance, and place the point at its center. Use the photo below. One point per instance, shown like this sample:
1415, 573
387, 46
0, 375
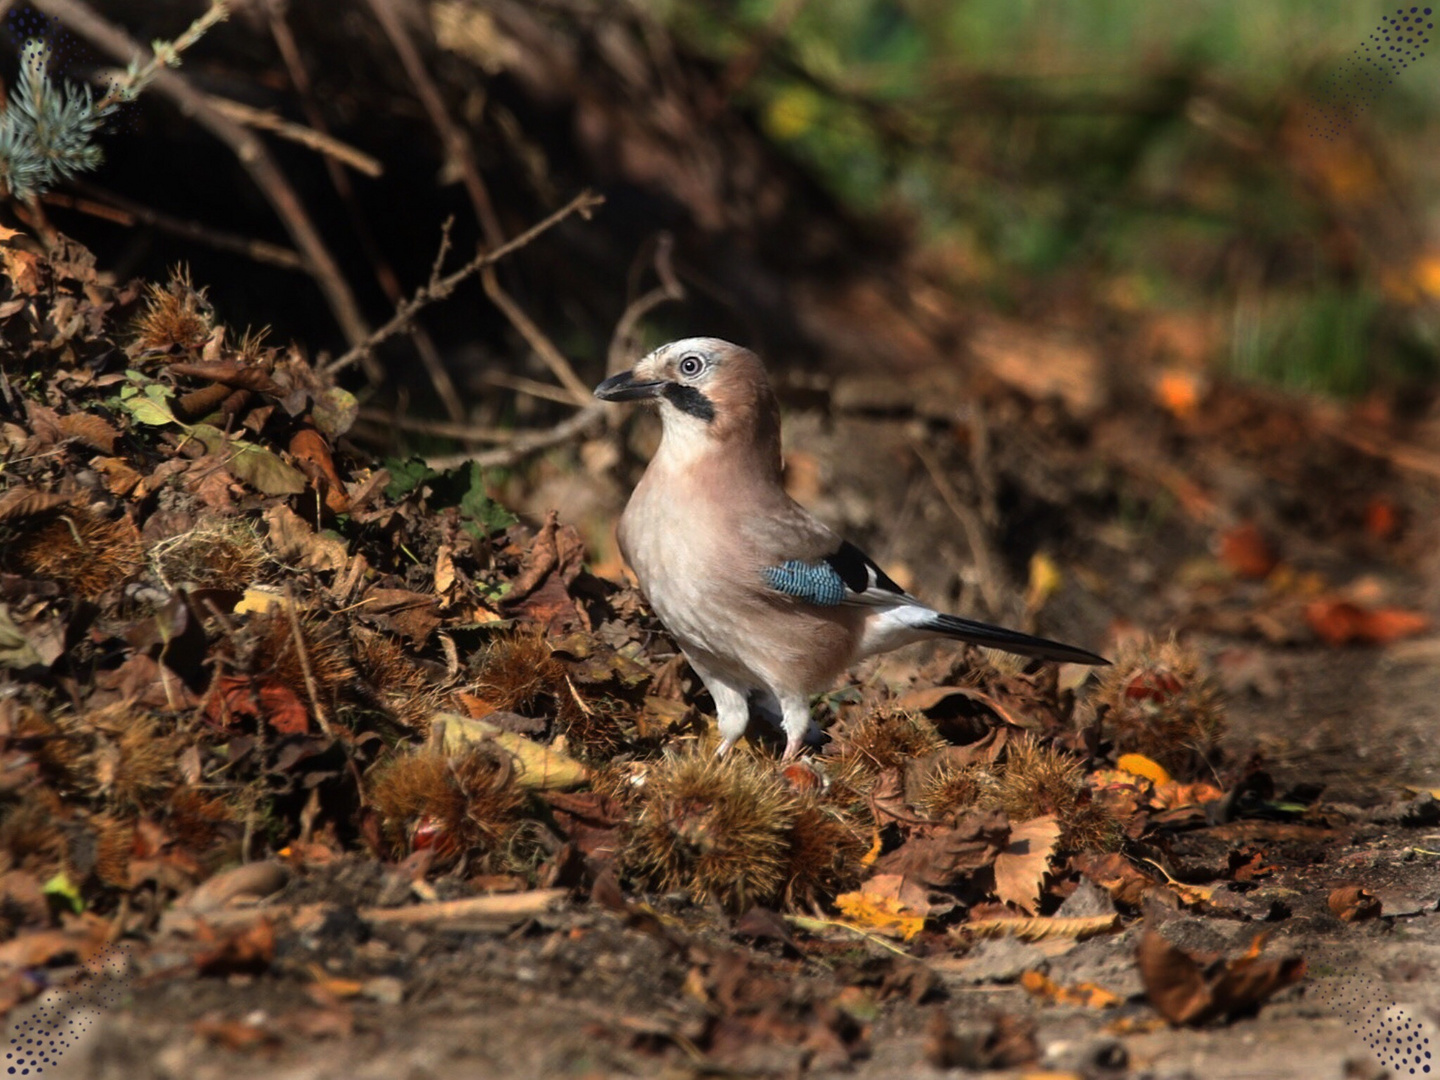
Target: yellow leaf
1045, 579
874, 853
791, 112
259, 601
880, 915
1140, 765
537, 766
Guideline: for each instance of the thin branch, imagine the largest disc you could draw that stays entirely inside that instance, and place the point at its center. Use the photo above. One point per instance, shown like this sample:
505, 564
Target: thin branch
321, 143
118, 208
533, 387
251, 152
385, 275
311, 690
621, 341
583, 204
461, 154
445, 429
527, 444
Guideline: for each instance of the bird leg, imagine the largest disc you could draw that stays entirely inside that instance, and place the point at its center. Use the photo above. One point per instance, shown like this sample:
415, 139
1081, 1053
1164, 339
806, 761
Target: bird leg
795, 711
732, 713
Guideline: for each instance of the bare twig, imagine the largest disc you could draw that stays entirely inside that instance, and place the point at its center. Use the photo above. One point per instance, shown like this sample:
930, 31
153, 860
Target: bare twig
311, 689
461, 154
384, 273
622, 340
118, 208
533, 387
251, 152
583, 204
446, 429
319, 141
985, 561
528, 443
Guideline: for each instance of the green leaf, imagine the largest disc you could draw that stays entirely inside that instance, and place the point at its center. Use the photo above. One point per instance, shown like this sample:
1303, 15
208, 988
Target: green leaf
480, 509
406, 476
258, 467
148, 406
65, 891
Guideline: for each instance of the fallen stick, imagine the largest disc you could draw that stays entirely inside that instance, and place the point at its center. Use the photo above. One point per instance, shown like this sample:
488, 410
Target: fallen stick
500, 911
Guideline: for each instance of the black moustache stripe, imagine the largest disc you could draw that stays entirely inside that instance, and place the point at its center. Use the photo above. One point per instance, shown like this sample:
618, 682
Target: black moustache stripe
689, 400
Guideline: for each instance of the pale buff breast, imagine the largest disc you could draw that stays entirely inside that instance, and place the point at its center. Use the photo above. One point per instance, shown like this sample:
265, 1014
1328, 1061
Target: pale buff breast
703, 580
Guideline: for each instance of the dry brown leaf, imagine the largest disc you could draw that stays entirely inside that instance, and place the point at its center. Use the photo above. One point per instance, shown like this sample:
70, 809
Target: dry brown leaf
1190, 988
94, 431
260, 697
1021, 868
1351, 903
232, 374
297, 543
23, 502
1246, 552
245, 950
1039, 929
120, 478
940, 855
312, 453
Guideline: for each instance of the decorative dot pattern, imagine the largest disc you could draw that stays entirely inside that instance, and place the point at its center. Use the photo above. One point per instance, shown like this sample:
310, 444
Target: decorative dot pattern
39, 1040
1400, 1040
1400, 40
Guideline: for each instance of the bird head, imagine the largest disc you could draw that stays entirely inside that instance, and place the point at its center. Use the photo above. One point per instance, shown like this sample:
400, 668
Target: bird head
706, 390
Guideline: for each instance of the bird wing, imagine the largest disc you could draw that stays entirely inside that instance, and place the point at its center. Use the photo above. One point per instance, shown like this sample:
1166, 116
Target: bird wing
808, 562
845, 576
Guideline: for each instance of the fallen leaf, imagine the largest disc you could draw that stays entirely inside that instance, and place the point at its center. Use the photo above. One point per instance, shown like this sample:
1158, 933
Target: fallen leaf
295, 542
1020, 869
1351, 903
1339, 622
937, 856
94, 431
23, 502
259, 697
1038, 929
880, 915
1188, 988
538, 767
1087, 994
1140, 765
248, 950
1246, 552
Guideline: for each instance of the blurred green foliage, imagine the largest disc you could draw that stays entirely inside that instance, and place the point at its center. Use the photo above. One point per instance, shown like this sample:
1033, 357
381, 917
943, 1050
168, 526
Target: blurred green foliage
1039, 141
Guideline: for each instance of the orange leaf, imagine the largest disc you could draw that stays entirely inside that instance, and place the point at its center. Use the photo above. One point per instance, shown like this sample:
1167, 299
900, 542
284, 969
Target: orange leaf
880, 914
1246, 552
1339, 622
1085, 993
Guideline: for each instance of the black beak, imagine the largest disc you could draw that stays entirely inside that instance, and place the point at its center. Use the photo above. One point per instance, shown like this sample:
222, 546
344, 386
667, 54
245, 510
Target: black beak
623, 387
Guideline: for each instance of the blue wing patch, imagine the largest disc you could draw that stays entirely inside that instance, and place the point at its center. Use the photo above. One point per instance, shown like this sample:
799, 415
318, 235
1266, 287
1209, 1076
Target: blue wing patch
817, 583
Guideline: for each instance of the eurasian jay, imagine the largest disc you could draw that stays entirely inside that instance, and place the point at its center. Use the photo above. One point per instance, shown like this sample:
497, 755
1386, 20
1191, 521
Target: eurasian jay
769, 606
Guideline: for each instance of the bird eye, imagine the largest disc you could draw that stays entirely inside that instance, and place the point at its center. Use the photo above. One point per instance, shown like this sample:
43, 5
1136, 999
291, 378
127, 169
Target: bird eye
690, 366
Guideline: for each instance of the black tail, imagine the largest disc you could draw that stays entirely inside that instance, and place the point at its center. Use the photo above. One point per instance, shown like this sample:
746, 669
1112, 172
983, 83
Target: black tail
1011, 641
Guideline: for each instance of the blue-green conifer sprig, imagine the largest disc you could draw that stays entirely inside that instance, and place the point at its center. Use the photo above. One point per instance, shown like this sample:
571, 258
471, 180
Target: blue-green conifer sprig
48, 128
